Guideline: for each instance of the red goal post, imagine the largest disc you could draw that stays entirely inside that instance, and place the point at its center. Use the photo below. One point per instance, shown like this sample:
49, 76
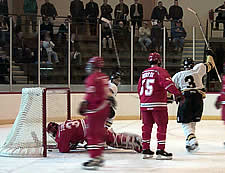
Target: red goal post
28, 137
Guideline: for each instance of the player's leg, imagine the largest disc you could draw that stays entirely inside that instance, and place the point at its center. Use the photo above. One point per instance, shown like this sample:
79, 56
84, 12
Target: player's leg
185, 116
161, 119
123, 140
96, 138
147, 124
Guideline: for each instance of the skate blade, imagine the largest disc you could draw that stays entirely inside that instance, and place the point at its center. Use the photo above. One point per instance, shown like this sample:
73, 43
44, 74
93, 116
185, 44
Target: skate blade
160, 157
147, 156
195, 150
90, 167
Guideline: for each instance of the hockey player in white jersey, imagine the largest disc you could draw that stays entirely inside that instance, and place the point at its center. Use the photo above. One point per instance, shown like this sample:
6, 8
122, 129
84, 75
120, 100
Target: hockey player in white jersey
114, 82
190, 110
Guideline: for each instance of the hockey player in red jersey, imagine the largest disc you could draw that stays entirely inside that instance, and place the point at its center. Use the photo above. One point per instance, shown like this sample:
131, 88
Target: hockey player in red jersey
153, 85
72, 132
220, 102
96, 107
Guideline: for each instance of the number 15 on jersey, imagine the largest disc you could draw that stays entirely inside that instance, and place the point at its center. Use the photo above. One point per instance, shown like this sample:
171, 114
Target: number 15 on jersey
147, 87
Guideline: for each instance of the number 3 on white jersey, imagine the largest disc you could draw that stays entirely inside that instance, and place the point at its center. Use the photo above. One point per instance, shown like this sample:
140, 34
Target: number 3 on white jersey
147, 87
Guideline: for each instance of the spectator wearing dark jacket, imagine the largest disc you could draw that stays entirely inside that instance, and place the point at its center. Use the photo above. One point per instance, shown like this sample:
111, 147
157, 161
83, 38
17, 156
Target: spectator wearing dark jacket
221, 17
78, 14
92, 12
136, 14
178, 35
121, 12
47, 26
48, 9
106, 10
175, 13
62, 32
30, 10
4, 10
159, 13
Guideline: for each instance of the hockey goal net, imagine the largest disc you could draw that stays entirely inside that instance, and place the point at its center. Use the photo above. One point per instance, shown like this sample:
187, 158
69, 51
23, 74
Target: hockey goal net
28, 137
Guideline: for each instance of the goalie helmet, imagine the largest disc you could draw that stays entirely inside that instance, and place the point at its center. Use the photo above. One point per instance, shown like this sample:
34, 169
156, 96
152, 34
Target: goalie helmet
188, 63
52, 128
154, 58
93, 63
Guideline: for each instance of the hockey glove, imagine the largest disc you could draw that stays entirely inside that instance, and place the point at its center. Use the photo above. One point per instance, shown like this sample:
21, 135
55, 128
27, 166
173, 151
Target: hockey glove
170, 98
179, 98
112, 101
217, 104
83, 107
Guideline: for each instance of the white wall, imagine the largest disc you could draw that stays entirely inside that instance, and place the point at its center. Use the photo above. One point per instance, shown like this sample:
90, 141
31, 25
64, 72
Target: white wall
128, 106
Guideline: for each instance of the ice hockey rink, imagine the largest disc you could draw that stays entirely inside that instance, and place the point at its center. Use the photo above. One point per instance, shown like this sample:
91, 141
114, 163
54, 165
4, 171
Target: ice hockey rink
209, 159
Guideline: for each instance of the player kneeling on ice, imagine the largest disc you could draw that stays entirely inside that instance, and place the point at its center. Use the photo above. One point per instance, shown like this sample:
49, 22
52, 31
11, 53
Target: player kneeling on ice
153, 85
190, 110
220, 102
72, 132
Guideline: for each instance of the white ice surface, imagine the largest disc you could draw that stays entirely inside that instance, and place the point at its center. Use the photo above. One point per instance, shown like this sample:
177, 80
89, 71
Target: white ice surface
209, 159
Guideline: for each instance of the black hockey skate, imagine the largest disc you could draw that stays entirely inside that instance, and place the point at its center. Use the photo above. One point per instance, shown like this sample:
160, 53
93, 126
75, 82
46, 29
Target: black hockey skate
193, 148
93, 164
147, 154
163, 155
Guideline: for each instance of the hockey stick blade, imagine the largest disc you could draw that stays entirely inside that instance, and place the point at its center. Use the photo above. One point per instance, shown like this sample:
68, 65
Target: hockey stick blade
192, 11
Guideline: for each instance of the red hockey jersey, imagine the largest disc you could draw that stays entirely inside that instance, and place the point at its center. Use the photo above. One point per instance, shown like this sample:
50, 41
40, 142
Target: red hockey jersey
70, 132
153, 85
96, 85
221, 98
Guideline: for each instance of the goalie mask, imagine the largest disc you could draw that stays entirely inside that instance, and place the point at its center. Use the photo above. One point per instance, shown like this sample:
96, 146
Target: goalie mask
115, 78
188, 63
52, 129
154, 59
95, 62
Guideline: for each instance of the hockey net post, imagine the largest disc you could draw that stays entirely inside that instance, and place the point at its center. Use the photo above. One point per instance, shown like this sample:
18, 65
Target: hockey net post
28, 137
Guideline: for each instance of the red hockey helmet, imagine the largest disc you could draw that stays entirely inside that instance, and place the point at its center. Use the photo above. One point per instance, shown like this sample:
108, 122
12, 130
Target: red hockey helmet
52, 128
154, 58
94, 62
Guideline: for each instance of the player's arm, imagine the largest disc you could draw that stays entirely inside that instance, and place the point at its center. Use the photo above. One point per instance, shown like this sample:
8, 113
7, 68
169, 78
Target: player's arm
139, 85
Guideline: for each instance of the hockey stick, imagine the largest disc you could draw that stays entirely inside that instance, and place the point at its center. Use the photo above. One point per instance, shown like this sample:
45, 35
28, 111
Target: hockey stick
113, 38
204, 37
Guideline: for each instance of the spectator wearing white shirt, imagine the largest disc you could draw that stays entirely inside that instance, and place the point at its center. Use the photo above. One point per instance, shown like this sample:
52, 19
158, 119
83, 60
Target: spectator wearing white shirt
144, 37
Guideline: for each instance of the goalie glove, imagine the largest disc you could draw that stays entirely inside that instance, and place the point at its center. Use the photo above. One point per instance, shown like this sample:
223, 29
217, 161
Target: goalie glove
112, 101
83, 107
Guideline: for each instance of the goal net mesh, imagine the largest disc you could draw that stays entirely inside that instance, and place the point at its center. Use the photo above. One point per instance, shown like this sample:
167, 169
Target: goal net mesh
28, 134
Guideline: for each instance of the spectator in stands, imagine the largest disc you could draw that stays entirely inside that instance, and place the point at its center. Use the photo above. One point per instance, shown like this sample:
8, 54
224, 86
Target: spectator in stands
157, 36
4, 31
75, 54
106, 36
221, 17
159, 13
136, 14
49, 45
92, 12
47, 26
21, 51
175, 13
106, 10
122, 35
4, 70
30, 10
4, 10
121, 12
62, 32
144, 37
78, 14
48, 10
178, 35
